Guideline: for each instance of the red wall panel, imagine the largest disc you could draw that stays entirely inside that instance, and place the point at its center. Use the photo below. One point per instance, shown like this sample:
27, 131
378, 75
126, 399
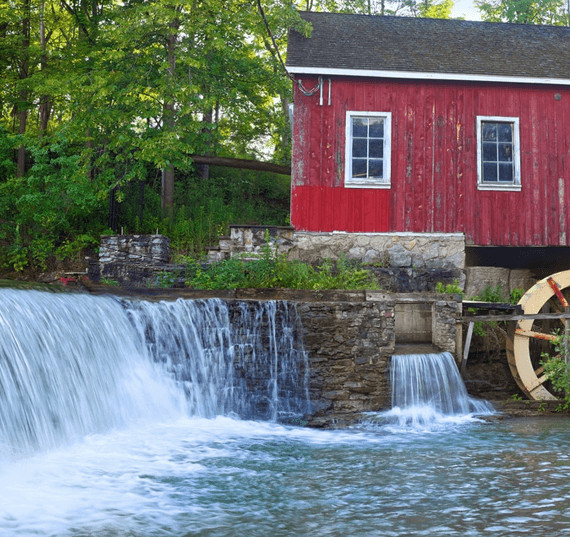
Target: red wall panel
434, 161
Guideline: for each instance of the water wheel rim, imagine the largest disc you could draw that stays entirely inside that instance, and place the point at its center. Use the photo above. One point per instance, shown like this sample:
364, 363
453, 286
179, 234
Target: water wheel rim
529, 379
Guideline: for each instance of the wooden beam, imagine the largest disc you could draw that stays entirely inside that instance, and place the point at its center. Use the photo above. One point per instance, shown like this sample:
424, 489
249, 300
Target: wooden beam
515, 317
242, 164
491, 305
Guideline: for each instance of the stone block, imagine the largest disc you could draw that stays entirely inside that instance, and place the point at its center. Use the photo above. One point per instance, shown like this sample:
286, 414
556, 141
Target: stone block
478, 278
399, 256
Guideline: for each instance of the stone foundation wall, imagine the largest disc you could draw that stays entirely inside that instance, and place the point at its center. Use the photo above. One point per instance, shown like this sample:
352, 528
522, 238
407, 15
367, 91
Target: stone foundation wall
350, 345
478, 278
417, 250
411, 250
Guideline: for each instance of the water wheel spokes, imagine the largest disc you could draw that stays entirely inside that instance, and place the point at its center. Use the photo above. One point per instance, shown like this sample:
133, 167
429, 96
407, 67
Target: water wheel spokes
529, 339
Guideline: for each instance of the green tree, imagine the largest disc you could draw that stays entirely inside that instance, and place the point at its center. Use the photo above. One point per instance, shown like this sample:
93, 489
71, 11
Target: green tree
551, 12
438, 9
101, 93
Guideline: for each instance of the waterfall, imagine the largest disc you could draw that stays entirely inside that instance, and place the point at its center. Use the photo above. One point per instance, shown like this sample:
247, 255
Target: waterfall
247, 359
428, 387
72, 365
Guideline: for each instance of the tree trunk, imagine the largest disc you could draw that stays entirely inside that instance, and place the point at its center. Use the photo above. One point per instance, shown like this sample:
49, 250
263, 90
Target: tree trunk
45, 106
23, 94
167, 199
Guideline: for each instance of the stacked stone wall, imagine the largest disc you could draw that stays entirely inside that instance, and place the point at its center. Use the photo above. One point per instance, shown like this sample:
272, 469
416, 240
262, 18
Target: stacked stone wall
349, 347
416, 250
402, 250
135, 260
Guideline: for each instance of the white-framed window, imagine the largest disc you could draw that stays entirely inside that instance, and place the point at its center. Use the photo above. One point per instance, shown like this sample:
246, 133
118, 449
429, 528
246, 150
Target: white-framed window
498, 153
367, 154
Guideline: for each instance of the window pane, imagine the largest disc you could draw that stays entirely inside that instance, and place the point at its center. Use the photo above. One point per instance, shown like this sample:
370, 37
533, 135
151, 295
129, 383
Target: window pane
506, 152
376, 169
506, 172
359, 127
489, 152
359, 148
376, 149
489, 131
489, 172
359, 168
505, 131
376, 128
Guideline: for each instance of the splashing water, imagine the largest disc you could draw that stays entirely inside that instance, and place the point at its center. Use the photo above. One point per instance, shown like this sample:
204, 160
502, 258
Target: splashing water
428, 392
72, 365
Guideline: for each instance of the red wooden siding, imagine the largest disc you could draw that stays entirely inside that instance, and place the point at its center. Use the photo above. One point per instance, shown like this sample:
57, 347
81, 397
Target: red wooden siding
434, 161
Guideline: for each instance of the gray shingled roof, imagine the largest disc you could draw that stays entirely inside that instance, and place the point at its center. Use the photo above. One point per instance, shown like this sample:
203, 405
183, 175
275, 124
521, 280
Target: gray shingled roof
374, 43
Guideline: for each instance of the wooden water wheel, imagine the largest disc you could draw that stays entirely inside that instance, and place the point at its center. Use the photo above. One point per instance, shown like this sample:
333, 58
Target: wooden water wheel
547, 304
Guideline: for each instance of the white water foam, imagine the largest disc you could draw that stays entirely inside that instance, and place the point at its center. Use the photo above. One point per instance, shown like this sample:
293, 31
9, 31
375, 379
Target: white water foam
72, 366
428, 394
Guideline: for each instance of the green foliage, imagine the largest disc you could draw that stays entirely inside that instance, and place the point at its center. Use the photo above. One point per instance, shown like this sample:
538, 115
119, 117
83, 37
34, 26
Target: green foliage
275, 271
435, 10
167, 279
204, 208
551, 12
440, 9
491, 294
133, 88
52, 210
557, 368
516, 294
450, 288
7, 164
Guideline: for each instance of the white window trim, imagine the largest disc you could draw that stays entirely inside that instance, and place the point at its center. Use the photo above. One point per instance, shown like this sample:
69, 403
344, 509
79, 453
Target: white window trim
516, 184
349, 182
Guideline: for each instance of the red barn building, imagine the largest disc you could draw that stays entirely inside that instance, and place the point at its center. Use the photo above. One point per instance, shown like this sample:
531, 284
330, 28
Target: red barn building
427, 125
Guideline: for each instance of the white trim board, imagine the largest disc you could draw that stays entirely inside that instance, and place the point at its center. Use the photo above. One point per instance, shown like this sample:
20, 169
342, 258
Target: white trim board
427, 76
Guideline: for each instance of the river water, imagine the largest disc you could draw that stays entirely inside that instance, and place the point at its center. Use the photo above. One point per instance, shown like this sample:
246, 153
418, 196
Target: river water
141, 459
225, 477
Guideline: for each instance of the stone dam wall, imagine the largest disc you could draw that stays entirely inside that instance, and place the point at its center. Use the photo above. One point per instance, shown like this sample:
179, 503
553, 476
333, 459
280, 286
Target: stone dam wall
349, 338
349, 345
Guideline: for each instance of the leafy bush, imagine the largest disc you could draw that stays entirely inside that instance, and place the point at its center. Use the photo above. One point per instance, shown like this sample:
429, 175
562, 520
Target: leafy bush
275, 271
450, 288
557, 369
55, 208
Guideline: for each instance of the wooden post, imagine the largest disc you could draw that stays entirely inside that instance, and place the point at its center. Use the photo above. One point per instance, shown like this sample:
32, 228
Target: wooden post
467, 345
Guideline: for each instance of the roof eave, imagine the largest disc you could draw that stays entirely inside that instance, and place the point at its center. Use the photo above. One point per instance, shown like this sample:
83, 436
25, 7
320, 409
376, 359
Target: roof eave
461, 77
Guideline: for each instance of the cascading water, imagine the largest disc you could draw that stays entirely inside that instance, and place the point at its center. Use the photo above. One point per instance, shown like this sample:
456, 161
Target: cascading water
72, 365
427, 388
247, 360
